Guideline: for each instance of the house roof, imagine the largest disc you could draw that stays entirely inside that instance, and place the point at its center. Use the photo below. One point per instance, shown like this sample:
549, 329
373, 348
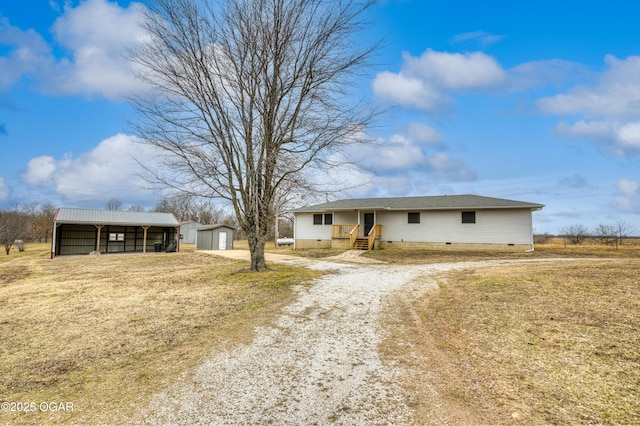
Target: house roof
439, 202
112, 217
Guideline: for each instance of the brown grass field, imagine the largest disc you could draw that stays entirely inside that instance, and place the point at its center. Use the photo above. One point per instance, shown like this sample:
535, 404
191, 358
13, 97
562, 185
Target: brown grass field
550, 343
105, 333
547, 343
554, 249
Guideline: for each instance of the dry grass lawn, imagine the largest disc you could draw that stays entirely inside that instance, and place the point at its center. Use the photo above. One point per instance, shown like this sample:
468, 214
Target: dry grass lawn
105, 333
550, 343
270, 247
545, 343
554, 249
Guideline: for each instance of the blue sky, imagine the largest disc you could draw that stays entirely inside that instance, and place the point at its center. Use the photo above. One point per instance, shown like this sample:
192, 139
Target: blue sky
533, 101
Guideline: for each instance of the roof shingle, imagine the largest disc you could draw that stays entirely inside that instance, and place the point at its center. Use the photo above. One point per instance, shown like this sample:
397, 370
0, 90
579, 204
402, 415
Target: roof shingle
439, 202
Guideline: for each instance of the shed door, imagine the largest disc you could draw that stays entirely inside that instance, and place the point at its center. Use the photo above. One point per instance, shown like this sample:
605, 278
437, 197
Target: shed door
222, 240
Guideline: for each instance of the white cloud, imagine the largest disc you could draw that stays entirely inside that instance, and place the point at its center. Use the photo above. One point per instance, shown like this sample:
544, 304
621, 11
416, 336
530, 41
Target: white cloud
451, 169
40, 171
622, 139
94, 35
456, 71
425, 135
553, 72
412, 92
628, 198
628, 187
615, 95
29, 52
4, 190
108, 171
482, 37
399, 152
415, 156
594, 129
423, 82
97, 33
429, 82
577, 181
629, 136
410, 162
54, 5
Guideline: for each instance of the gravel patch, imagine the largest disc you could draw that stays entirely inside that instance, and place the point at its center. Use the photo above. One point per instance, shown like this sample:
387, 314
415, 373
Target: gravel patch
320, 364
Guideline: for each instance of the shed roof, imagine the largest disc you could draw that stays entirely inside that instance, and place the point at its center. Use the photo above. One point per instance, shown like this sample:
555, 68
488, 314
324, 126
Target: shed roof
439, 202
215, 226
112, 217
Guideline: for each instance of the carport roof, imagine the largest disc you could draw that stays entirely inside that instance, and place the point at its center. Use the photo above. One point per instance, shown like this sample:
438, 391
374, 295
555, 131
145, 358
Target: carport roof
112, 217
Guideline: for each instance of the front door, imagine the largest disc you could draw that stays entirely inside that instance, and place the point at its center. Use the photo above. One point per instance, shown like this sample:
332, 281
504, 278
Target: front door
222, 241
369, 221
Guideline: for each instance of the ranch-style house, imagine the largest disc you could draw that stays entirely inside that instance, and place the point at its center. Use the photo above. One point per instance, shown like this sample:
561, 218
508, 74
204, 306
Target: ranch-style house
439, 222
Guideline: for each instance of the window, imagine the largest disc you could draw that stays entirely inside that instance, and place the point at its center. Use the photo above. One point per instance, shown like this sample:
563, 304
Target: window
318, 219
413, 217
119, 236
468, 217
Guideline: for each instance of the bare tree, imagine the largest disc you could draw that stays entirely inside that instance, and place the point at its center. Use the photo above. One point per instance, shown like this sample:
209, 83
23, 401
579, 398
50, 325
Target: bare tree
605, 234
541, 238
42, 223
622, 230
575, 234
179, 204
136, 208
249, 96
14, 225
114, 204
187, 207
205, 212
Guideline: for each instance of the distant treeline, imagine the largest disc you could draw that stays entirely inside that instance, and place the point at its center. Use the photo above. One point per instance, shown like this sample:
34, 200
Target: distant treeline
605, 234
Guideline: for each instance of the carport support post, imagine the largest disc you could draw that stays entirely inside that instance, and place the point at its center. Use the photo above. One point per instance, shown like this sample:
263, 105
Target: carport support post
53, 240
98, 239
144, 238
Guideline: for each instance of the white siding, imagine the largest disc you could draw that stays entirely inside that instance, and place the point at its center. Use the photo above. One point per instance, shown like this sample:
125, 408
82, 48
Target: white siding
492, 226
500, 226
345, 217
306, 230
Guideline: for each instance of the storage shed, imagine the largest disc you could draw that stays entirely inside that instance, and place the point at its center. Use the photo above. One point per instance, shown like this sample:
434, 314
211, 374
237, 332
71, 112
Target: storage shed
188, 232
215, 237
83, 231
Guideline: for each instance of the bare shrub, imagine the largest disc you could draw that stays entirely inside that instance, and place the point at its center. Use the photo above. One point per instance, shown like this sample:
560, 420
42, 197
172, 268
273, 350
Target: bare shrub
605, 234
575, 234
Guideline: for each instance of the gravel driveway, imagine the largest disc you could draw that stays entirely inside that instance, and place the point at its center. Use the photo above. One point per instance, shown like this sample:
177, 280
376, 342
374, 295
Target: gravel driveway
320, 364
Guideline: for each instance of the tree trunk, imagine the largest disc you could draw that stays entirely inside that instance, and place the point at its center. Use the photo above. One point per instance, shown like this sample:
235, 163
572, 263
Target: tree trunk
7, 248
256, 248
